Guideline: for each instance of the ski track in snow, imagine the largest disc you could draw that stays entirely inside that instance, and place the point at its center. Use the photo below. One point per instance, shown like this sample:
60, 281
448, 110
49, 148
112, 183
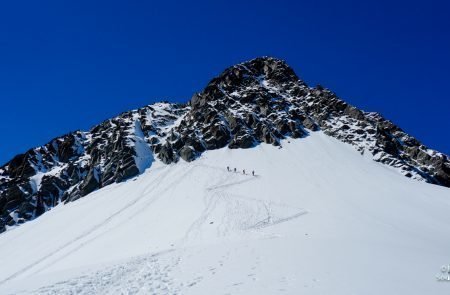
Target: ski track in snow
144, 275
77, 239
147, 191
235, 233
152, 280
122, 211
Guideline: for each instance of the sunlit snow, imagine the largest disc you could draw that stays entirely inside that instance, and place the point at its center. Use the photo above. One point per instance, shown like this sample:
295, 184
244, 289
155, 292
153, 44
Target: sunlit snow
316, 219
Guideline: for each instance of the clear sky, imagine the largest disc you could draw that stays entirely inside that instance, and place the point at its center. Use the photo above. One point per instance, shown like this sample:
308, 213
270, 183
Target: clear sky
68, 65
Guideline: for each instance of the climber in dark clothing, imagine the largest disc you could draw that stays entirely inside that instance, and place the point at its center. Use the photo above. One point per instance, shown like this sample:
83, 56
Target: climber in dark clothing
243, 171
234, 169
253, 172
228, 168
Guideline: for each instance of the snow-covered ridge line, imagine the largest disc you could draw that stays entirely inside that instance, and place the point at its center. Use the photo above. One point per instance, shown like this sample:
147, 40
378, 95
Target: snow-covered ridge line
259, 101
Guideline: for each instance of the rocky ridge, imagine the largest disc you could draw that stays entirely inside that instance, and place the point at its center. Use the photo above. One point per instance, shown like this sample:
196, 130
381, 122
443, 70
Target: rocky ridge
259, 101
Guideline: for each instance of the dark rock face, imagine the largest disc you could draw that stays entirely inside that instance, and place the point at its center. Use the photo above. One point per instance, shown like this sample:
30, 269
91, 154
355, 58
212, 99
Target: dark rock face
74, 165
259, 101
246, 105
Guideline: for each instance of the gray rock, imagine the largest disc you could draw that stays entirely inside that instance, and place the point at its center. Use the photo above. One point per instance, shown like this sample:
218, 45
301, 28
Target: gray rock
354, 112
166, 154
187, 153
91, 183
310, 124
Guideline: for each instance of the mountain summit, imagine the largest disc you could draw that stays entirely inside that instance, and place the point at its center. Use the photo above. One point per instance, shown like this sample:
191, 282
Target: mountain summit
258, 101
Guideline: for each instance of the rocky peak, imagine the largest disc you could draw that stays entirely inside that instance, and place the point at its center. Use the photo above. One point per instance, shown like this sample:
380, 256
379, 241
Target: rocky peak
259, 101
263, 100
256, 74
247, 104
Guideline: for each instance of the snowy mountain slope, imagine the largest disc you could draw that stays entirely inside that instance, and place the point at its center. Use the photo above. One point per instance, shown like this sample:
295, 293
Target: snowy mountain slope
318, 218
258, 101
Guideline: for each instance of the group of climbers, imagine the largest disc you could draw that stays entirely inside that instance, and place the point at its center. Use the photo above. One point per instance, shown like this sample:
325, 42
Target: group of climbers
235, 171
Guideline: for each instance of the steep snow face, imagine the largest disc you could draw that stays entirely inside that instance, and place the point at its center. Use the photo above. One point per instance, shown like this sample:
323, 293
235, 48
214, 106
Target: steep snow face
318, 218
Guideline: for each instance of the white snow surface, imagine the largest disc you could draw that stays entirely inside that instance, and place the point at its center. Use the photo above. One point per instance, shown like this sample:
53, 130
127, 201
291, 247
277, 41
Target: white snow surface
317, 219
144, 155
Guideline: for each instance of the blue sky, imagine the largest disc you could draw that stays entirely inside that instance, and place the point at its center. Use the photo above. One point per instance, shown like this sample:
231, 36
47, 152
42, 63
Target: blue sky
68, 65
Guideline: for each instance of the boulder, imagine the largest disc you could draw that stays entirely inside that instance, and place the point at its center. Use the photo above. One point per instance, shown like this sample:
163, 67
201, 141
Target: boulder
187, 153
